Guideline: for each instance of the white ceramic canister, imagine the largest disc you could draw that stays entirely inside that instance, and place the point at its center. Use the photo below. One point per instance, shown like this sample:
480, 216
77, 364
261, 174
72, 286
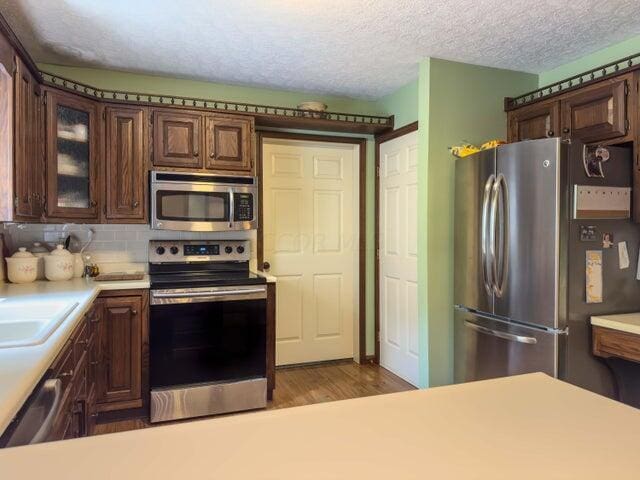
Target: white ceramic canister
40, 251
22, 267
78, 265
58, 265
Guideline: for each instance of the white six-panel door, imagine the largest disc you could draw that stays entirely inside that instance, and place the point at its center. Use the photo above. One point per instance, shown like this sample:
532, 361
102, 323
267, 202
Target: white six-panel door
398, 256
310, 240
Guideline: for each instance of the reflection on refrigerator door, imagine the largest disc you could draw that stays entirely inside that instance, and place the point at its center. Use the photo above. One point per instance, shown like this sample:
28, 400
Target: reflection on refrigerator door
487, 348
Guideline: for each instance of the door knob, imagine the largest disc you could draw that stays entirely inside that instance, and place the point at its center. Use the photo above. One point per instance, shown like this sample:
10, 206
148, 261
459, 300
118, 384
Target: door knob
266, 266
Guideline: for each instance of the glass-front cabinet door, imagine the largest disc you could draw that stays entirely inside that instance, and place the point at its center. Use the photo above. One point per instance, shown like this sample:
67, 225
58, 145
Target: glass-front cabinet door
72, 156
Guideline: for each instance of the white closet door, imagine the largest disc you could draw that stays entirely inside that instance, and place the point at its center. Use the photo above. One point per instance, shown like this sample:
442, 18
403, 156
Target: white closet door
311, 241
398, 264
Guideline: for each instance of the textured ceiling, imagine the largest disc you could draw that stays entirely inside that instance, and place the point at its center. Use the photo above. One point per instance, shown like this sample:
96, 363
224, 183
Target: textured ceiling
357, 48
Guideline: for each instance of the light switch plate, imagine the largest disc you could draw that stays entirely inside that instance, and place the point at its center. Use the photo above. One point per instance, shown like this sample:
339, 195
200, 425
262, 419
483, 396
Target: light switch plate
601, 202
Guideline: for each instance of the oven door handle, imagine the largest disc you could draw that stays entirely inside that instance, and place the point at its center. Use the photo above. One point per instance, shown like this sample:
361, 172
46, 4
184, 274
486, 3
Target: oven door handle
215, 293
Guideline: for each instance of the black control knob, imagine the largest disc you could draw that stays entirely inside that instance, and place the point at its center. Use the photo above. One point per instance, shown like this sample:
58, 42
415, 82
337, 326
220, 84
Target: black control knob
228, 249
160, 250
240, 249
174, 250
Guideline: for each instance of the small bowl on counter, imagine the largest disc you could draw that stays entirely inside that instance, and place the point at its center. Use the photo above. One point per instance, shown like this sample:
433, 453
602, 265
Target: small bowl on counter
22, 267
58, 265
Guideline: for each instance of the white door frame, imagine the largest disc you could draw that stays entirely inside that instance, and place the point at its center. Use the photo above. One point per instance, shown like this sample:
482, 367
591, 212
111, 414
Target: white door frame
360, 344
411, 127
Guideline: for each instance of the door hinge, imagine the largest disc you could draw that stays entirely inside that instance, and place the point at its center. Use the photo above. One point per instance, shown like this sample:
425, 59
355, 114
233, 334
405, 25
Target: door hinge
377, 253
44, 98
626, 125
15, 202
378, 171
104, 114
626, 88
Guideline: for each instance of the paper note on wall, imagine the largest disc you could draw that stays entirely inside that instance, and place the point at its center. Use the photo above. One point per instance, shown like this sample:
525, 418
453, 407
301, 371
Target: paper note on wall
594, 276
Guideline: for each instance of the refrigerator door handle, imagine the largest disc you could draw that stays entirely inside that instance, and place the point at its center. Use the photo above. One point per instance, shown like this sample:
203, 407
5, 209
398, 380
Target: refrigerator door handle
500, 244
504, 335
486, 271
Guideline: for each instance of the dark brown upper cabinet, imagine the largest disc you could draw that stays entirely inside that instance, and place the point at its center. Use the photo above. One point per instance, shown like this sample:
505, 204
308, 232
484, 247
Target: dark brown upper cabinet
177, 139
29, 165
119, 380
597, 113
228, 143
72, 157
539, 120
125, 161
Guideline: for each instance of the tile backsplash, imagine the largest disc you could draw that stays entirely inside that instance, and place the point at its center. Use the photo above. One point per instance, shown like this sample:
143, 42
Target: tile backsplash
112, 245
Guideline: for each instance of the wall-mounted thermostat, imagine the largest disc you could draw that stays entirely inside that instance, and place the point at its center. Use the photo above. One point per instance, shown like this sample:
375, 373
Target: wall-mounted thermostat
601, 202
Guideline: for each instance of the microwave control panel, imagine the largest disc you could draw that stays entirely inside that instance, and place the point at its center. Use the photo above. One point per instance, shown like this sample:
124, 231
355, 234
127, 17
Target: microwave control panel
243, 207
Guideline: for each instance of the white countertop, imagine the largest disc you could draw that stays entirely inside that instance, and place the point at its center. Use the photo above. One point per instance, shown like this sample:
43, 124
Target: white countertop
21, 368
524, 427
626, 322
265, 275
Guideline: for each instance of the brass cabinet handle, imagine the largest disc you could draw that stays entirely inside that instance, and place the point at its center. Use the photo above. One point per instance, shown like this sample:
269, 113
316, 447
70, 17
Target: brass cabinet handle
93, 203
212, 155
135, 204
134, 311
94, 362
66, 374
566, 130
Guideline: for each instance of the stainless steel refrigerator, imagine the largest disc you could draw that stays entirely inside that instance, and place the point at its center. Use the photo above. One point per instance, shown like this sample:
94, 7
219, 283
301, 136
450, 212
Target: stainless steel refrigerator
519, 280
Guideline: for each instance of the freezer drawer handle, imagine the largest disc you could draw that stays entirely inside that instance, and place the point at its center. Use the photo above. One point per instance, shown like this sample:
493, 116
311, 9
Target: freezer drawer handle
504, 335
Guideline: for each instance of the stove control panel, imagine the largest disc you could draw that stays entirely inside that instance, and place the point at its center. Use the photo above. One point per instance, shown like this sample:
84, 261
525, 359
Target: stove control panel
184, 251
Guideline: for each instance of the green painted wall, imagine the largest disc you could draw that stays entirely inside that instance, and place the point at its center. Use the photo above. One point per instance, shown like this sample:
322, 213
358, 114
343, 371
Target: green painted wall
112, 79
458, 102
171, 86
606, 55
402, 104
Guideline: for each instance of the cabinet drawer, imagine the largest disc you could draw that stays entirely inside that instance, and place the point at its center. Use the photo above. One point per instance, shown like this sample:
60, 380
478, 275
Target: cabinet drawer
613, 343
80, 342
65, 369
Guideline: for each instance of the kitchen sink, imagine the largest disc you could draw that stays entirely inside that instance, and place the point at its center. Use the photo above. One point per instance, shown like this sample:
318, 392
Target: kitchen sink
31, 324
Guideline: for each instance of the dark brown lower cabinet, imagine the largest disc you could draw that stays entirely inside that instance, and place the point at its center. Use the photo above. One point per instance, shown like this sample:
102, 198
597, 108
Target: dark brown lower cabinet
103, 366
122, 369
73, 368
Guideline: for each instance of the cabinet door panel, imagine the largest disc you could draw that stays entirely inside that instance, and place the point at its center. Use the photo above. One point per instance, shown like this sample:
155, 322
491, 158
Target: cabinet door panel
120, 378
596, 113
540, 120
228, 143
126, 153
28, 149
176, 139
72, 156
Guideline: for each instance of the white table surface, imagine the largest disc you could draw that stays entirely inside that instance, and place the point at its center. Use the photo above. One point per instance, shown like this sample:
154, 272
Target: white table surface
524, 427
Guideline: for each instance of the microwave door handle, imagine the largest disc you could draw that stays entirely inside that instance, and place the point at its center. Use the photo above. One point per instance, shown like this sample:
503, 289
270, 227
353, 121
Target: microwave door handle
231, 208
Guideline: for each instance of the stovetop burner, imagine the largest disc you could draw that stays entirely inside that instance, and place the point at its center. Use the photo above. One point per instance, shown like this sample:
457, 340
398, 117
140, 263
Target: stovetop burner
204, 279
201, 263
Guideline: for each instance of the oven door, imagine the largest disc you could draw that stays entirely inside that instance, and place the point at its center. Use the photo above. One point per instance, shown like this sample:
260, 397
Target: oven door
202, 206
207, 351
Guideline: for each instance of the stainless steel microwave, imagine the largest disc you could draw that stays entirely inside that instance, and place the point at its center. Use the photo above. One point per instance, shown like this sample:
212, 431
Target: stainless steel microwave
202, 202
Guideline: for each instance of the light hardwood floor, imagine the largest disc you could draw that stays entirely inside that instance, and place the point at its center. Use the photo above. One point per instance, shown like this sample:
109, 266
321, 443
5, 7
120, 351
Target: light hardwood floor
308, 384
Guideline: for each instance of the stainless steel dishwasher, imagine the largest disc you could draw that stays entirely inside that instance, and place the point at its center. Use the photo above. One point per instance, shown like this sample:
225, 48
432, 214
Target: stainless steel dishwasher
34, 421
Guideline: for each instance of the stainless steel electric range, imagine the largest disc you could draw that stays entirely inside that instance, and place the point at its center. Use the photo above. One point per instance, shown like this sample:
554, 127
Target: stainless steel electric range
208, 331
